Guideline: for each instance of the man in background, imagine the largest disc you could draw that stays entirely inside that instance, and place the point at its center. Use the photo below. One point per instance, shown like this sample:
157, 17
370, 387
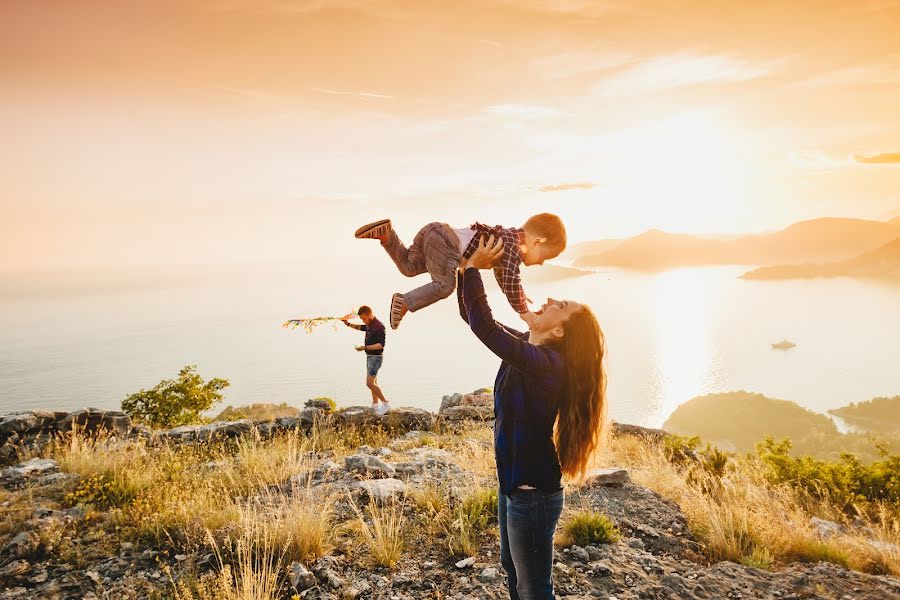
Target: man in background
374, 349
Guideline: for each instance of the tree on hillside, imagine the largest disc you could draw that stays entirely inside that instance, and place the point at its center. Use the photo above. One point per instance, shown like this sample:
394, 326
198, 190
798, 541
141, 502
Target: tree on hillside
174, 402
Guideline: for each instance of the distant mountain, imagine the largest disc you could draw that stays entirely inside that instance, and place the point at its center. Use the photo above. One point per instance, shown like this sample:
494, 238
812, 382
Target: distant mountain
818, 240
589, 248
881, 263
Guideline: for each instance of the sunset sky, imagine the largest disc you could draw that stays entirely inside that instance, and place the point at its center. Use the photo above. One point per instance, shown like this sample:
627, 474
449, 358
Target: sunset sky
179, 131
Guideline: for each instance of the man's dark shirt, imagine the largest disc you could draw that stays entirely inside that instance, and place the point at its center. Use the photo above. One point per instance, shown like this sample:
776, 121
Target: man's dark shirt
527, 390
375, 334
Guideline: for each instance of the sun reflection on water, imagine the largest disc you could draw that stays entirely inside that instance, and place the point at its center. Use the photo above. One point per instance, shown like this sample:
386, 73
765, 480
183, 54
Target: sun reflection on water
686, 362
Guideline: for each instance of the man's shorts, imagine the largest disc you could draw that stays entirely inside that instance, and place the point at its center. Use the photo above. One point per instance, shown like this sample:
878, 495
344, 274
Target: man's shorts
373, 363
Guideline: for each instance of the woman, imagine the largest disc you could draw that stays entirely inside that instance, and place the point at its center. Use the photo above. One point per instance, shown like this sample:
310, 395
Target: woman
549, 409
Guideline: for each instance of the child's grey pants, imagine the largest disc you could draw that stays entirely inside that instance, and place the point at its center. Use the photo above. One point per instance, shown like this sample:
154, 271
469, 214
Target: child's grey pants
435, 250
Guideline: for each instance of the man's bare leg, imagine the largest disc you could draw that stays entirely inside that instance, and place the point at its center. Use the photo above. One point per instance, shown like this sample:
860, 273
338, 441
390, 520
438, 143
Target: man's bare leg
377, 394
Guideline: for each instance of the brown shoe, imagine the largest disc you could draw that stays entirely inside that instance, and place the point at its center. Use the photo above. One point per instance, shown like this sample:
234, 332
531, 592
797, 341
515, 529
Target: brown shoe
377, 230
398, 309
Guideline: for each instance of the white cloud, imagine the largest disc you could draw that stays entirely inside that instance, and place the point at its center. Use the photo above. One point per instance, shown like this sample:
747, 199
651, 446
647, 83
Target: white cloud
884, 73
680, 70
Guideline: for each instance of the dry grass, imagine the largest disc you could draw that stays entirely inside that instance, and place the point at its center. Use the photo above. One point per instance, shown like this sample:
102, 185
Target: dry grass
743, 518
382, 532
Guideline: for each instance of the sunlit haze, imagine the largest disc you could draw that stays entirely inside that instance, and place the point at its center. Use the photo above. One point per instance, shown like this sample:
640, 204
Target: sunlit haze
217, 131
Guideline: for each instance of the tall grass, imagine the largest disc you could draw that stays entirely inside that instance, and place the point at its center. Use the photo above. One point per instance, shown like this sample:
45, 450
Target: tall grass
740, 515
382, 532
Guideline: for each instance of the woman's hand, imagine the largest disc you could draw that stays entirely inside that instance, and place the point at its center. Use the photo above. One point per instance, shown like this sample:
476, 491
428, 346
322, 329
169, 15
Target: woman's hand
486, 256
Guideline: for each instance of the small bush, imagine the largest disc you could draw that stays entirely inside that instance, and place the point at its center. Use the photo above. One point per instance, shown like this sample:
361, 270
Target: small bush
585, 528
102, 492
175, 402
384, 536
469, 519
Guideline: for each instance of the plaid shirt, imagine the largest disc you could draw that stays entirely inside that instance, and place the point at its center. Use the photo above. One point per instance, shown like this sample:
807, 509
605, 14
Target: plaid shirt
507, 272
527, 390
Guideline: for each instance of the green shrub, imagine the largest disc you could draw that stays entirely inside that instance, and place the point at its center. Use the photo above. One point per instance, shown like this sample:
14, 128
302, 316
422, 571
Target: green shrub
175, 402
589, 528
680, 449
102, 492
469, 518
847, 482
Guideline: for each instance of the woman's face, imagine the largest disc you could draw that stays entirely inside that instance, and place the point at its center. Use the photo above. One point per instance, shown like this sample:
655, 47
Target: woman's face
554, 313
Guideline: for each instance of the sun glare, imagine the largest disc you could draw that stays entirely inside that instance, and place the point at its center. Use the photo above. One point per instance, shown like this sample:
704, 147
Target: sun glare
685, 171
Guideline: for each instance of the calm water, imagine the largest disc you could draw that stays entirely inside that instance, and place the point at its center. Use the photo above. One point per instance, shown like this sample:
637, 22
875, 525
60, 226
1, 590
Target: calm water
75, 341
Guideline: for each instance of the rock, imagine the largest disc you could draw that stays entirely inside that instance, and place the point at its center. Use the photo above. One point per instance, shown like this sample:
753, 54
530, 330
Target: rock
825, 529
326, 405
359, 587
579, 554
369, 465
301, 577
469, 413
358, 416
594, 553
310, 415
612, 477
636, 543
465, 563
92, 420
22, 545
35, 466
382, 490
224, 429
25, 422
489, 575
16, 568
407, 419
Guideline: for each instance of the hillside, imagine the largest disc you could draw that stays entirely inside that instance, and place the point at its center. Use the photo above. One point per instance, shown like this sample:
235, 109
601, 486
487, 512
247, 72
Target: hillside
738, 420
818, 240
881, 263
877, 414
349, 504
550, 273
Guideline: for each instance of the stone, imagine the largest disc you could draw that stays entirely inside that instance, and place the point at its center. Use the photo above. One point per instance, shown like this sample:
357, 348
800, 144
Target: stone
824, 528
25, 422
326, 405
465, 563
612, 477
469, 413
35, 466
301, 577
311, 415
489, 575
407, 419
15, 569
22, 545
579, 554
224, 429
369, 465
636, 543
359, 416
382, 490
594, 553
92, 420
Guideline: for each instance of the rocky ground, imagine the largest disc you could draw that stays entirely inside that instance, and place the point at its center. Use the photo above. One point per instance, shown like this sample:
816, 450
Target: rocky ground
49, 551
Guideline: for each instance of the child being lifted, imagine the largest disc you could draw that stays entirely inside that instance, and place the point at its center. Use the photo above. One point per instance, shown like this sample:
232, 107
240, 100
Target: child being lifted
438, 248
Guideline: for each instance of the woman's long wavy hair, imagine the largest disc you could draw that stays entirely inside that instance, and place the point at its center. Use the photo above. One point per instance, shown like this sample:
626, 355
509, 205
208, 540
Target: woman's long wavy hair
581, 425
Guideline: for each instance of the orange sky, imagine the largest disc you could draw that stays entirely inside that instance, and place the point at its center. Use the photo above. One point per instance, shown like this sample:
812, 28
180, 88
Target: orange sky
158, 131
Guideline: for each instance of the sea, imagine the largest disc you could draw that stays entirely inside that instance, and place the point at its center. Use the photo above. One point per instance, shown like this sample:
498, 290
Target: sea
89, 338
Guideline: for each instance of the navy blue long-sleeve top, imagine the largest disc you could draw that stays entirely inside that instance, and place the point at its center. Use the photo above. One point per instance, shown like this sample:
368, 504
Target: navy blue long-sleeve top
527, 389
